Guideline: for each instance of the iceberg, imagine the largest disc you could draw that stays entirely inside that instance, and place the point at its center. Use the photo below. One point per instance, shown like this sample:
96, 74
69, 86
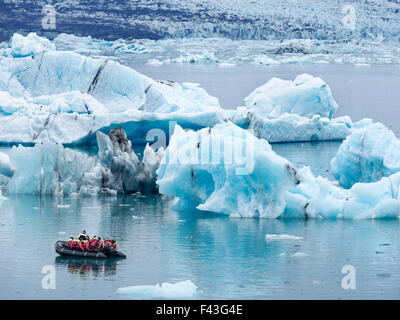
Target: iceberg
225, 169
294, 128
368, 154
20, 46
65, 97
49, 168
269, 237
199, 170
317, 197
180, 290
305, 96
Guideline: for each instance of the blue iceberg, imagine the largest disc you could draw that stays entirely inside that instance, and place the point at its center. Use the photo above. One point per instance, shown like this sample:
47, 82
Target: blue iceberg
49, 168
241, 176
368, 154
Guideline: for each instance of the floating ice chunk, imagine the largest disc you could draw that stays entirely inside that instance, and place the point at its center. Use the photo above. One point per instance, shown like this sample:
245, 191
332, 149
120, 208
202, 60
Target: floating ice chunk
292, 127
203, 57
180, 290
63, 206
320, 198
269, 187
367, 155
299, 255
281, 237
199, 168
47, 169
265, 60
20, 46
305, 95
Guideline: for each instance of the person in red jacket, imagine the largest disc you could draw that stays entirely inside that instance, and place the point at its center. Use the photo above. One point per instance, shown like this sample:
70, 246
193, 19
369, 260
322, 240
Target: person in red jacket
99, 244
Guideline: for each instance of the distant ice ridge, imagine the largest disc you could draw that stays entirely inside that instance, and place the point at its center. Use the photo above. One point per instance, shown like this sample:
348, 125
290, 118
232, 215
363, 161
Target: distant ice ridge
49, 168
367, 155
259, 183
225, 51
287, 111
180, 290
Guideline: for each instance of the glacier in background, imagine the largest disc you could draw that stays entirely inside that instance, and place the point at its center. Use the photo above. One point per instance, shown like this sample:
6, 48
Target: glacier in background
233, 19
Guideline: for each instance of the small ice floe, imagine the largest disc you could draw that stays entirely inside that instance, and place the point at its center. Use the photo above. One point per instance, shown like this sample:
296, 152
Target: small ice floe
61, 232
63, 206
226, 65
282, 254
137, 217
35, 208
180, 290
281, 237
124, 205
299, 255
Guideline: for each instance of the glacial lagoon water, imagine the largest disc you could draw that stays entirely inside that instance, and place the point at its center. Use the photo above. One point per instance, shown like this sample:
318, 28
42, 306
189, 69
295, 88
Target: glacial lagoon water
226, 258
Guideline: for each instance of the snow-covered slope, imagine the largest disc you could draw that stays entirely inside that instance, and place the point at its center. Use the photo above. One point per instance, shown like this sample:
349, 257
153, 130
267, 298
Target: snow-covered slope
236, 19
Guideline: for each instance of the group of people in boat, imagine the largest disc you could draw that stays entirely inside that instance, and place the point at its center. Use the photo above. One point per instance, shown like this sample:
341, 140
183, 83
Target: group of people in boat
84, 243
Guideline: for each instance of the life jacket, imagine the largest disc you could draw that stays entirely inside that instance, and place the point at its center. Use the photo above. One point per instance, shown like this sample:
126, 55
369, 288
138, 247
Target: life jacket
86, 245
99, 244
73, 244
114, 245
80, 245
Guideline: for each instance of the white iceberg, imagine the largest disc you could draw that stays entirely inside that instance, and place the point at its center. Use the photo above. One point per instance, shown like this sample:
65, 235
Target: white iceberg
305, 96
225, 169
6, 168
180, 290
20, 46
367, 155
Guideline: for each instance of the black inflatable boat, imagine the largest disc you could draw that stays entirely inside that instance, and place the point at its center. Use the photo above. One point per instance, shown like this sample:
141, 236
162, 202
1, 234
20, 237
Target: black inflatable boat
63, 249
